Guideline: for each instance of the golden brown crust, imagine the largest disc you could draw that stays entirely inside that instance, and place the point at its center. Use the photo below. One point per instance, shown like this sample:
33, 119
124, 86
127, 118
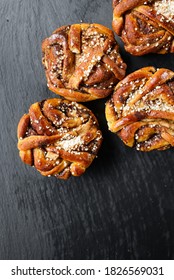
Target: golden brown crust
59, 137
141, 110
82, 62
145, 26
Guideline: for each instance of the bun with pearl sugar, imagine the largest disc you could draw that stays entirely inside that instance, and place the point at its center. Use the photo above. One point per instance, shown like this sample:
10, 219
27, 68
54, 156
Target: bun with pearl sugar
141, 110
59, 138
82, 62
145, 26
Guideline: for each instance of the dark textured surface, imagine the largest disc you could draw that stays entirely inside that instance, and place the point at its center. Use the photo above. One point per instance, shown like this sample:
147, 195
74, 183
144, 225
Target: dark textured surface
122, 207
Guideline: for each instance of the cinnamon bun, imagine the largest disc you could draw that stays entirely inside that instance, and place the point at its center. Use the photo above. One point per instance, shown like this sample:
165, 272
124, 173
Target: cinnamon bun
82, 62
59, 138
141, 110
145, 26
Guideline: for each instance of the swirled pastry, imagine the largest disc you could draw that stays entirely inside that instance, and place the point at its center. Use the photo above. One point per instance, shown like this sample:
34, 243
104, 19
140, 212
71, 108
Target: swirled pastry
59, 138
82, 62
141, 110
145, 26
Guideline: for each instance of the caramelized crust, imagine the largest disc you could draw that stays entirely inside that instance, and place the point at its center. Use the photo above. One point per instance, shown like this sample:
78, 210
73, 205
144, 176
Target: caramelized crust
145, 26
82, 62
59, 138
141, 110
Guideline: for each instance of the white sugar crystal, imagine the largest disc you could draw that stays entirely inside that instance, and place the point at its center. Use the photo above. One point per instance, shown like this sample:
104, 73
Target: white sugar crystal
71, 143
165, 8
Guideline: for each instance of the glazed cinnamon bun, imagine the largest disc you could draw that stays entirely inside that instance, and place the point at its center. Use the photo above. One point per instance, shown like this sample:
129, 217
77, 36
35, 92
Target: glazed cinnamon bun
82, 62
141, 110
145, 26
59, 138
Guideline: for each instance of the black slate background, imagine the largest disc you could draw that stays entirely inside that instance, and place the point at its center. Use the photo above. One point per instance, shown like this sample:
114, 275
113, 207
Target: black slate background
123, 206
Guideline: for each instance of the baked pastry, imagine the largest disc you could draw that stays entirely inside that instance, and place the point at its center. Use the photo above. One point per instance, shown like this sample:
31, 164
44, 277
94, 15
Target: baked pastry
82, 62
141, 110
59, 138
145, 26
